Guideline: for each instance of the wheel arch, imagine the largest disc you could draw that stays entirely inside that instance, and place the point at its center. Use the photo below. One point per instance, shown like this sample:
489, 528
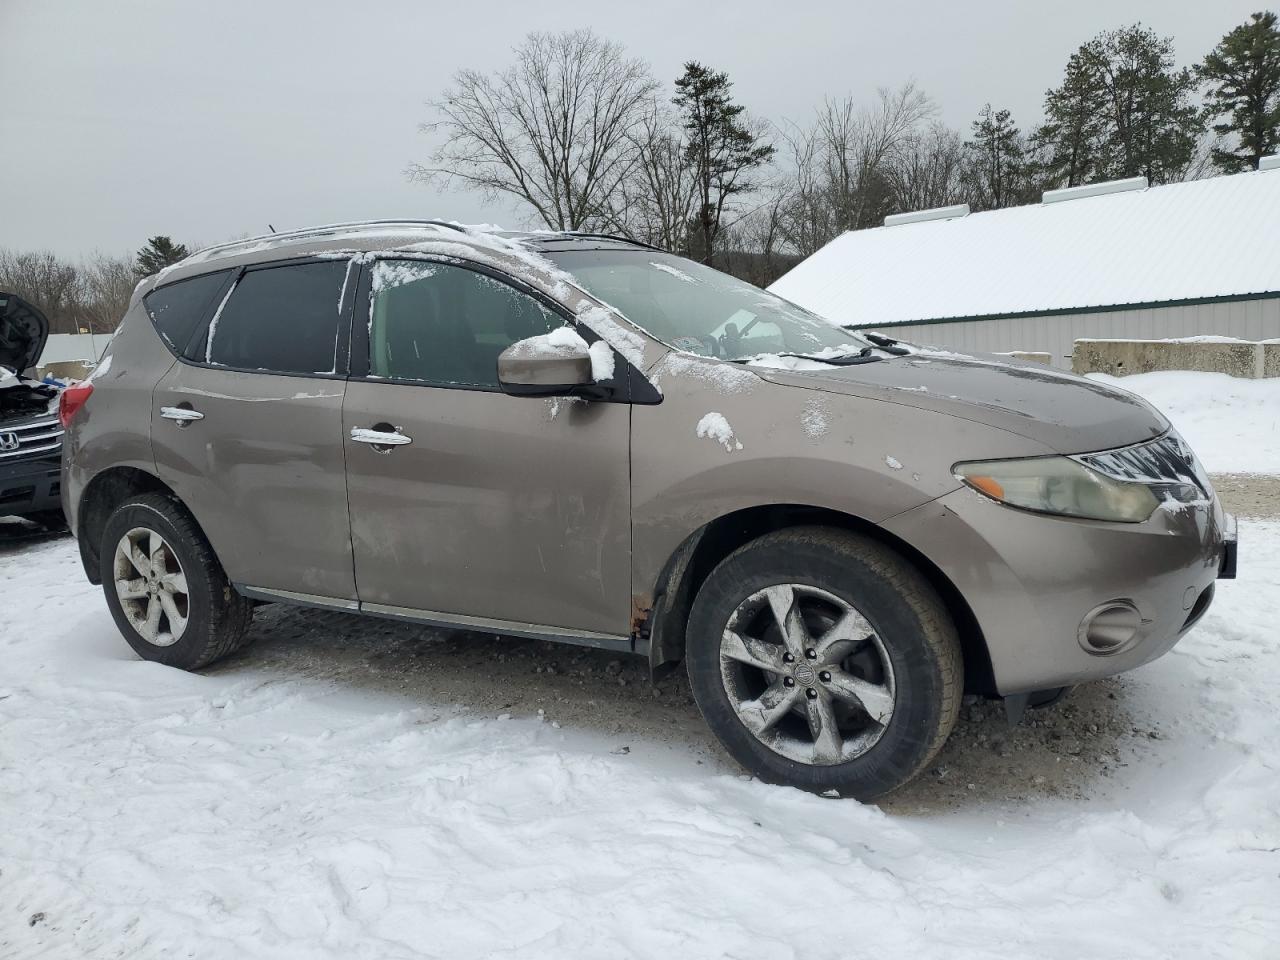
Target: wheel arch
686, 569
106, 491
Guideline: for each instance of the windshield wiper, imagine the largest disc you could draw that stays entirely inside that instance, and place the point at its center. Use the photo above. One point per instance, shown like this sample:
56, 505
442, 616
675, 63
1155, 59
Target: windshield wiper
865, 355
887, 344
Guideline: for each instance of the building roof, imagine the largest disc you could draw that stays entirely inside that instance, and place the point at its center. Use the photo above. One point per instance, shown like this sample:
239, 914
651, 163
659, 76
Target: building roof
1206, 239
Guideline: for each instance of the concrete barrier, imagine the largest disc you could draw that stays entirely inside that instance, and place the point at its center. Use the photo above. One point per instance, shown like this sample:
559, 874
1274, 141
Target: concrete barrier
1238, 358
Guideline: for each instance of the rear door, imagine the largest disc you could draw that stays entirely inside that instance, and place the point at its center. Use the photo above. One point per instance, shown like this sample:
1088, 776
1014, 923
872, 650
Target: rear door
247, 427
510, 512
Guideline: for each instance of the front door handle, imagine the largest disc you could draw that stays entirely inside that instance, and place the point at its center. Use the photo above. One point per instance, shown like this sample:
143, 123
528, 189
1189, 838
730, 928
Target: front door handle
380, 439
183, 415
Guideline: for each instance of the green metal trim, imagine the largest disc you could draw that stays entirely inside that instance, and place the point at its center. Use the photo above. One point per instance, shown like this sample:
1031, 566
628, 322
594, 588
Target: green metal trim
1069, 311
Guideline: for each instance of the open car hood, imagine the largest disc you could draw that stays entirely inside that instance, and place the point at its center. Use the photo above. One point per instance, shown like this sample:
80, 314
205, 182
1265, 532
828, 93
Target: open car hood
24, 331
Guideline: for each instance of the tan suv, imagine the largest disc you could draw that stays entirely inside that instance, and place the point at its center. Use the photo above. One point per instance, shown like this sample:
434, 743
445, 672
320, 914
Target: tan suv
583, 439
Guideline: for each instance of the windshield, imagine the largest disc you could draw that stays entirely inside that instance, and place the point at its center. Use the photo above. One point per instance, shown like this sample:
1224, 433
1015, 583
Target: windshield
700, 310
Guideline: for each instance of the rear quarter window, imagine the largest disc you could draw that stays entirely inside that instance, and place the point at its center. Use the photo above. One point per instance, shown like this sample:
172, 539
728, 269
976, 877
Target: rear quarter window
177, 309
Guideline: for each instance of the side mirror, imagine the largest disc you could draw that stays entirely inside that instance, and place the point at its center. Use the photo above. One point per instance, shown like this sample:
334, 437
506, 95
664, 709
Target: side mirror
552, 365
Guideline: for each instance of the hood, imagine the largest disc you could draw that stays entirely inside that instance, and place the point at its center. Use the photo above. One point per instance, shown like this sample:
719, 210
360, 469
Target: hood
23, 333
1065, 412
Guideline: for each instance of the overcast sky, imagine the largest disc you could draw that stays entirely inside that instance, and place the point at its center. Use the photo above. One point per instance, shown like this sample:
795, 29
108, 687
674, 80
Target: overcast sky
209, 120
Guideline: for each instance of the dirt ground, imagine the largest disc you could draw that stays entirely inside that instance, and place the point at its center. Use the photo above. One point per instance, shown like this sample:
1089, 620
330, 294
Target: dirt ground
1249, 494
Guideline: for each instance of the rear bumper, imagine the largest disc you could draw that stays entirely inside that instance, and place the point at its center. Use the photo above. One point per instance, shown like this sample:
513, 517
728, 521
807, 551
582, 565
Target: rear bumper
31, 485
1033, 580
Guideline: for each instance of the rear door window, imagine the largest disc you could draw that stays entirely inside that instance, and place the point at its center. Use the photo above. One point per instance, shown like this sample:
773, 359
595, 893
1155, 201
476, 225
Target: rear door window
177, 309
280, 320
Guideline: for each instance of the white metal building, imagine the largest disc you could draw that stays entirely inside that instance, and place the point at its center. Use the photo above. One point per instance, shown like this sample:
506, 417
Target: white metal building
1117, 260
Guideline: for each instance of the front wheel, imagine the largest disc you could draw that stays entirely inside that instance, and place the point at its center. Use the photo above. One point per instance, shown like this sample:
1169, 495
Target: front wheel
165, 588
826, 661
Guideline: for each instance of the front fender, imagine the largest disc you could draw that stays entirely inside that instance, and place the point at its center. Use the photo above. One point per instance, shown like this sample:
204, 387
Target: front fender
774, 444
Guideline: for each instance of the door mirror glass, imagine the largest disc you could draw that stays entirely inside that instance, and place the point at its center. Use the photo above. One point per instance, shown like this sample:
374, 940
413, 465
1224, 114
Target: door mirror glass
554, 364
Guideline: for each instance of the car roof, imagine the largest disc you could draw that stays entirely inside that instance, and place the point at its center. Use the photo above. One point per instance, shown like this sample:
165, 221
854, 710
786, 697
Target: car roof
485, 243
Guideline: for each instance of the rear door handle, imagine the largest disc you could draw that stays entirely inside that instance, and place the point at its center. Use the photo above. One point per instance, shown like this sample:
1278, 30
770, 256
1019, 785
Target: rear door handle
182, 415
379, 438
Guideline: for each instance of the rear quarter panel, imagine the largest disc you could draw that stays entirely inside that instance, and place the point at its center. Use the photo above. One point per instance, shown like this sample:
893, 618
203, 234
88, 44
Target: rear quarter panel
113, 429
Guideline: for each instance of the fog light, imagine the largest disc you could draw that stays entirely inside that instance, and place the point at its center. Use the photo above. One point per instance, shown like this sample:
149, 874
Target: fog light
1109, 627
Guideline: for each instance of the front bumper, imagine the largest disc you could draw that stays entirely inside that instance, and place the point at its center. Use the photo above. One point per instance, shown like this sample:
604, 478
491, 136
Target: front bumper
1031, 580
31, 485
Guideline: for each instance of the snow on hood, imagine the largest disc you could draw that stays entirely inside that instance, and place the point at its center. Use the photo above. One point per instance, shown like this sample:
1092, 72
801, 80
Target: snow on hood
24, 330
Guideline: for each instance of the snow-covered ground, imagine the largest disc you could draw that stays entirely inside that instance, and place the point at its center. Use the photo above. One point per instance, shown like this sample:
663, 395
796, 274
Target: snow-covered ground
351, 789
1232, 424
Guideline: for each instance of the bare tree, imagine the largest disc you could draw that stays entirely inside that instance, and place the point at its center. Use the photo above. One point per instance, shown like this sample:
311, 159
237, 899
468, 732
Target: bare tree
844, 165
655, 203
53, 285
926, 169
557, 130
806, 218
755, 247
857, 146
108, 284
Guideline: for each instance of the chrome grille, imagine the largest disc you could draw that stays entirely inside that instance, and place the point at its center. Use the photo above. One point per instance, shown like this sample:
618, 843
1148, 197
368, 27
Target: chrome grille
30, 439
1166, 460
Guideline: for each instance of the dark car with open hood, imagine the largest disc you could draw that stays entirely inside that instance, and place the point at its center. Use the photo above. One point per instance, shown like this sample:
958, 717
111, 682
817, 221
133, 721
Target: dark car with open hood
30, 434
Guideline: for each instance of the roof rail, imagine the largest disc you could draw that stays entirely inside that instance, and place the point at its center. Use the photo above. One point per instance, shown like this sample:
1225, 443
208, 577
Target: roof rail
584, 235
304, 232
1270, 162
1094, 190
935, 213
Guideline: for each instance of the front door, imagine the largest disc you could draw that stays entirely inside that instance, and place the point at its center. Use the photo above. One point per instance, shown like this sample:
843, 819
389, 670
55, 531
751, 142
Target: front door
247, 430
502, 511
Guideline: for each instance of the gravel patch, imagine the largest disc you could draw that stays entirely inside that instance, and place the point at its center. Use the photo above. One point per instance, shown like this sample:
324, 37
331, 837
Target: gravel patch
1249, 494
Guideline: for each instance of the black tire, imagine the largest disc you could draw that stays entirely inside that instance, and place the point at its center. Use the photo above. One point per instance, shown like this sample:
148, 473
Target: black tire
906, 614
217, 616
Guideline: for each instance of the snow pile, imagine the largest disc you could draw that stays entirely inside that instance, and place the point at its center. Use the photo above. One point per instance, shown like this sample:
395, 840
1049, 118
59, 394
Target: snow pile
1231, 423
714, 426
300, 802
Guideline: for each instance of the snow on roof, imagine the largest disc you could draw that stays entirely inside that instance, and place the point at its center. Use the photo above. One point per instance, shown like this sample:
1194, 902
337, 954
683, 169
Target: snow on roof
1185, 241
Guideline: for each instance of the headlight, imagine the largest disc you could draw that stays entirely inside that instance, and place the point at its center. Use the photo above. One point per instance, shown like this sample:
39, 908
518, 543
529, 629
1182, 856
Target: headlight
1060, 485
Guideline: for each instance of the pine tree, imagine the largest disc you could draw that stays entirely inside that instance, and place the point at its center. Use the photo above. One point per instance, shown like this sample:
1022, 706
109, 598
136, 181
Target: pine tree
1243, 73
1152, 124
721, 149
1074, 126
160, 252
997, 161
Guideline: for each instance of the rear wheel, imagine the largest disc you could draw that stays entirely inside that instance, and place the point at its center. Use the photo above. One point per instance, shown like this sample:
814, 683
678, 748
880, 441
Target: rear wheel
165, 588
826, 661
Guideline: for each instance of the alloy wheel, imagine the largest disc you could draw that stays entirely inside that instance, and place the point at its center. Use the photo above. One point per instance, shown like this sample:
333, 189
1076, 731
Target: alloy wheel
807, 674
151, 586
